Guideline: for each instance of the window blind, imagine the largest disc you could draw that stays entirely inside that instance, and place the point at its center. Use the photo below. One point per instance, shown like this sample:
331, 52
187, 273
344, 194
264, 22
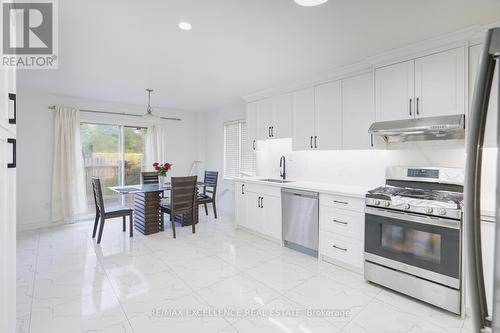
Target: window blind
238, 157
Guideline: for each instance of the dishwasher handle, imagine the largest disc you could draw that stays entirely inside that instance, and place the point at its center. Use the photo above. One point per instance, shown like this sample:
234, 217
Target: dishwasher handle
300, 193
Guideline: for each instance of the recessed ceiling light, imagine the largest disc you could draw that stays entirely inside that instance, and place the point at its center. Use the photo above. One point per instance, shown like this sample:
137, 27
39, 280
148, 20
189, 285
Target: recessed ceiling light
185, 26
310, 3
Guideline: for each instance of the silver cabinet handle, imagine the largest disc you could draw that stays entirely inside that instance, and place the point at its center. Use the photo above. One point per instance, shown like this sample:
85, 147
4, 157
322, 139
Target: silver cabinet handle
339, 248
340, 222
418, 102
253, 144
272, 131
411, 102
311, 142
242, 188
315, 141
261, 202
340, 202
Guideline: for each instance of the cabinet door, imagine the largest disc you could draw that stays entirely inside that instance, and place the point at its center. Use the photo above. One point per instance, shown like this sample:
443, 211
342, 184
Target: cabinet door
272, 216
328, 116
394, 91
440, 84
303, 119
282, 113
264, 118
357, 111
252, 109
490, 135
255, 213
7, 237
240, 204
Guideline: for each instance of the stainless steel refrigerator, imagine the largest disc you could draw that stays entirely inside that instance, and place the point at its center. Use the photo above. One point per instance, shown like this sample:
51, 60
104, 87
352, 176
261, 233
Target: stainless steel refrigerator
483, 319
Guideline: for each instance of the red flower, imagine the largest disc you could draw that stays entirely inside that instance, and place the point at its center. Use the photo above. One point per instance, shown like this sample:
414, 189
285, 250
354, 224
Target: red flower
167, 166
156, 164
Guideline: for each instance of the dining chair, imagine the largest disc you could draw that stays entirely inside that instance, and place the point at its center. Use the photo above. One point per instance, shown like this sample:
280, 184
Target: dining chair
209, 191
101, 213
149, 177
182, 201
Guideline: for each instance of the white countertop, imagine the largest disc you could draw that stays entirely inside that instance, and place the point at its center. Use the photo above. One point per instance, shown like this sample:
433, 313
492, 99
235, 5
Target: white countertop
338, 189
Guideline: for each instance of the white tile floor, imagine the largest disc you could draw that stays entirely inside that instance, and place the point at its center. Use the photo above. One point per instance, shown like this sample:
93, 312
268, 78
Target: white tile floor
68, 283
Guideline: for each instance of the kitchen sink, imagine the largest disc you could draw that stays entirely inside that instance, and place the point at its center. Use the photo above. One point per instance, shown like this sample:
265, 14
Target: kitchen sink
281, 181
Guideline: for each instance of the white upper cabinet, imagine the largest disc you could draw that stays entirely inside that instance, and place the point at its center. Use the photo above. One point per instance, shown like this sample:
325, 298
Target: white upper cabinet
328, 116
426, 87
251, 120
440, 84
490, 135
303, 121
8, 99
394, 91
282, 113
264, 118
357, 111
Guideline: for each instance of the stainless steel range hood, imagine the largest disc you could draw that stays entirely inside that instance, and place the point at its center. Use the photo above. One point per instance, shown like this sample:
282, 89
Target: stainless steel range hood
431, 128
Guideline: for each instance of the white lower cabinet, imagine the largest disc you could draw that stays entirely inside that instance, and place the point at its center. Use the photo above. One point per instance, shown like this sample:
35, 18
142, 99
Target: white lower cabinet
240, 206
341, 230
258, 208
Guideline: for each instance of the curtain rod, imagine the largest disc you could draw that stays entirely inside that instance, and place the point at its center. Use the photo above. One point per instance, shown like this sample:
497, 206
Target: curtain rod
53, 107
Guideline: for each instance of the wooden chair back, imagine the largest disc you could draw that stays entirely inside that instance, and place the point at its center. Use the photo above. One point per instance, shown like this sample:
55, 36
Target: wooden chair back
150, 177
98, 197
211, 178
183, 194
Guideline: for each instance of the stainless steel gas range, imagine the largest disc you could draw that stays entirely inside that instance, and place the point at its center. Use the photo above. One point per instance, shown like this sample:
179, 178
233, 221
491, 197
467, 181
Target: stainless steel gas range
413, 234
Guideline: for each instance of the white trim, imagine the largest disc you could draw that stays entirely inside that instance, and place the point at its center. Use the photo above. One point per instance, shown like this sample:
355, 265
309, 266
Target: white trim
461, 38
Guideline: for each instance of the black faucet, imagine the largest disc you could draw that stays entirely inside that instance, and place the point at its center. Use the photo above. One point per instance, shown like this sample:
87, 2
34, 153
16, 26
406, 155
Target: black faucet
283, 165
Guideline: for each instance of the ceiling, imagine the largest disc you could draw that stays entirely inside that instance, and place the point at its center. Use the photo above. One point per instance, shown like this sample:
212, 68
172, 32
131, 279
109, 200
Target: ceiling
114, 49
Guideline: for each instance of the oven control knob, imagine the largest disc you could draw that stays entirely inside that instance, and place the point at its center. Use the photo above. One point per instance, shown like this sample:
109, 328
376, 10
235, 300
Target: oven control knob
442, 211
376, 202
428, 210
406, 206
387, 203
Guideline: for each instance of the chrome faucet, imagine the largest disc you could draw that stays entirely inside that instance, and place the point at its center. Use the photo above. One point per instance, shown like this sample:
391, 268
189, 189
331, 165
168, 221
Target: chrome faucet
283, 166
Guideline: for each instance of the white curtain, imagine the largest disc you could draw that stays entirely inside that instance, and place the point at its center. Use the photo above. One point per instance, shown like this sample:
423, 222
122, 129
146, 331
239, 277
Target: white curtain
153, 147
68, 178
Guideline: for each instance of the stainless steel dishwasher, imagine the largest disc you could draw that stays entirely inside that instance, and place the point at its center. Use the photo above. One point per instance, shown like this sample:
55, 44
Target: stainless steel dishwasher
300, 213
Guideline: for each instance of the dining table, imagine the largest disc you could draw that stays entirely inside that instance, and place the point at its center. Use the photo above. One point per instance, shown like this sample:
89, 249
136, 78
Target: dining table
147, 213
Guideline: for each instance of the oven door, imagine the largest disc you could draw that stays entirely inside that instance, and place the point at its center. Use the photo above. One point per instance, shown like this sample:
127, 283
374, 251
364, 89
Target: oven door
424, 246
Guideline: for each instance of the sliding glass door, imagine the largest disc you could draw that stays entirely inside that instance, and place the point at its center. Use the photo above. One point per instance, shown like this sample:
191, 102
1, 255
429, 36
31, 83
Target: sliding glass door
115, 154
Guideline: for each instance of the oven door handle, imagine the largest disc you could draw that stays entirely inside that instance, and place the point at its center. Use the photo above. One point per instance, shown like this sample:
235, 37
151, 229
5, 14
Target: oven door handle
440, 222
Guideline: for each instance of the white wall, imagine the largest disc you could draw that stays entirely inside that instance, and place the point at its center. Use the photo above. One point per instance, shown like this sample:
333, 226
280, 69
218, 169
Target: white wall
211, 125
35, 140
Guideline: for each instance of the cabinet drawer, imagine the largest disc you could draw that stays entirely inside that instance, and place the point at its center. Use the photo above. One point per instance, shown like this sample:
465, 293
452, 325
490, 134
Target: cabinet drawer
343, 222
273, 191
346, 250
342, 202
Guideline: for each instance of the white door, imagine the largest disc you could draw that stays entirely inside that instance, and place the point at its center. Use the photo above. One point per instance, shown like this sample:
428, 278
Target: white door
272, 216
7, 237
440, 84
252, 109
240, 204
394, 91
357, 111
490, 135
255, 214
303, 119
328, 116
264, 118
282, 112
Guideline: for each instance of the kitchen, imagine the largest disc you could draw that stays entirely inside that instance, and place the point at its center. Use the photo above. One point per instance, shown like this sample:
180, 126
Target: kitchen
253, 165
385, 114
